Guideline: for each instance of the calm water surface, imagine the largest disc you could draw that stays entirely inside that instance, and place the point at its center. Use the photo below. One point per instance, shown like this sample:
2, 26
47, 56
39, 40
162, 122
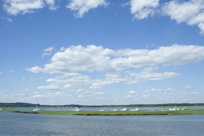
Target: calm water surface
18, 124
94, 109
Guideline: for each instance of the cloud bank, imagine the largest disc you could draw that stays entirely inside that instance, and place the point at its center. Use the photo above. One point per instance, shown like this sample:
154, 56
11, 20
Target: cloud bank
99, 59
76, 65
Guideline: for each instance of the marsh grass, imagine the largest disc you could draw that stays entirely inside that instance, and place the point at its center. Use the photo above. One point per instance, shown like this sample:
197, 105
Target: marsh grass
111, 113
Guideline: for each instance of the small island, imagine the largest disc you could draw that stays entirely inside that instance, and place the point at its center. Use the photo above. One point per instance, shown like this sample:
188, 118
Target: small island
110, 113
109, 109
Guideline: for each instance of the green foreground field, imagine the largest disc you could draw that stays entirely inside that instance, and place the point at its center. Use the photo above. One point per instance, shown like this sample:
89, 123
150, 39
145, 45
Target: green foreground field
110, 113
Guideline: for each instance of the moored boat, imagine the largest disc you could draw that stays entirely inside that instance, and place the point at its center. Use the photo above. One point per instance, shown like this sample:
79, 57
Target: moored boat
36, 108
76, 109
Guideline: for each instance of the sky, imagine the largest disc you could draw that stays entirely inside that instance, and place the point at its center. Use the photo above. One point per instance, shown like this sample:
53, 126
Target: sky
102, 51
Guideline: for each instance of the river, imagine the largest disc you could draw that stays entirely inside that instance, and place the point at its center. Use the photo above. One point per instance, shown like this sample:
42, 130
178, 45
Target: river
19, 124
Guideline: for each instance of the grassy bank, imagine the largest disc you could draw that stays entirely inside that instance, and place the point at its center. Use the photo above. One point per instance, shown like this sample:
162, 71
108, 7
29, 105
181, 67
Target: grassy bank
111, 113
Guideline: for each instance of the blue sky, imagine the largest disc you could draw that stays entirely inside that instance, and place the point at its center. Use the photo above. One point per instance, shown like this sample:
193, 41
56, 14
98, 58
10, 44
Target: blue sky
101, 51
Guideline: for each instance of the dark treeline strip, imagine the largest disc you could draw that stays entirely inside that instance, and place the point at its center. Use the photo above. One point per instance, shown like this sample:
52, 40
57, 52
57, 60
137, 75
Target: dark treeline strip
20, 104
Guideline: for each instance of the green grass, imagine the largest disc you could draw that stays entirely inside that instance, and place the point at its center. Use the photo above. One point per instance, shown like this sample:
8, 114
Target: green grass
146, 106
111, 113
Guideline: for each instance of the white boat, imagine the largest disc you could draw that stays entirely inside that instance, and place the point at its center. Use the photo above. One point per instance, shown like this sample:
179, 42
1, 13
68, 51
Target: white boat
174, 109
136, 109
0, 109
36, 108
76, 109
124, 109
115, 109
184, 108
104, 109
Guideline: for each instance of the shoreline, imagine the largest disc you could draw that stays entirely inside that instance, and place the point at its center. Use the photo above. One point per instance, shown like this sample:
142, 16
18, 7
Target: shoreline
110, 113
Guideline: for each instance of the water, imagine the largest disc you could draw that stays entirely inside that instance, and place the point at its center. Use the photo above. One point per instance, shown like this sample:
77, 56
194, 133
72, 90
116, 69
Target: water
18, 124
94, 109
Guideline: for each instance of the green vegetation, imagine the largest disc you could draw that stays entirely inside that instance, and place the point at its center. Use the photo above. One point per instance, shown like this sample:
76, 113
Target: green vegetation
20, 104
111, 113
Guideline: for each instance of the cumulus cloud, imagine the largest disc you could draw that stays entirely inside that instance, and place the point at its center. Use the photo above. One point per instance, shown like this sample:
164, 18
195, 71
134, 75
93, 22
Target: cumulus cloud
74, 68
76, 65
15, 7
143, 8
83, 6
190, 12
99, 59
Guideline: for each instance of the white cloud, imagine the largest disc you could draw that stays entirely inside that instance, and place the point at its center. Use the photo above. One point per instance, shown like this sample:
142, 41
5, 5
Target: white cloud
67, 82
15, 7
108, 80
75, 67
51, 4
49, 87
35, 69
83, 6
38, 96
190, 12
155, 90
72, 82
48, 51
0, 73
77, 58
150, 76
96, 58
143, 8
132, 92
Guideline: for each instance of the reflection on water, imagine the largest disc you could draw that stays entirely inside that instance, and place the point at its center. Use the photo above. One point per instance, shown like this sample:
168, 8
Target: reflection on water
18, 124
